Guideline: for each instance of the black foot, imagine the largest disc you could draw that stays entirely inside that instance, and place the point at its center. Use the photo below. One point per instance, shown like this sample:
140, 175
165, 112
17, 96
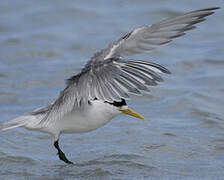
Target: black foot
60, 154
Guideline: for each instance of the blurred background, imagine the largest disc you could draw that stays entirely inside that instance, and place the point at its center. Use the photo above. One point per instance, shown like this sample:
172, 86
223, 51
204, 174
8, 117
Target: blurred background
44, 42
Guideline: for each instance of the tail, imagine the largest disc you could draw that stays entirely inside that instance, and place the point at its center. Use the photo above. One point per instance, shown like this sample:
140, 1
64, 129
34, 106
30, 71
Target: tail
26, 121
18, 122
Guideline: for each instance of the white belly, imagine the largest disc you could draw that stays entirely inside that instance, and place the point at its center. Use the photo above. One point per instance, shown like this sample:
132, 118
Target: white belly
89, 118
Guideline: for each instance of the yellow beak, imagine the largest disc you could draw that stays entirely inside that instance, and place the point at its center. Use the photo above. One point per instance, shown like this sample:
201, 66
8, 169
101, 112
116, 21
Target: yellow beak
132, 113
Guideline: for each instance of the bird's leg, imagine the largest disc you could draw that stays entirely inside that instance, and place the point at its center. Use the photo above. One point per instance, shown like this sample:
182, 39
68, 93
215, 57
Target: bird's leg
61, 155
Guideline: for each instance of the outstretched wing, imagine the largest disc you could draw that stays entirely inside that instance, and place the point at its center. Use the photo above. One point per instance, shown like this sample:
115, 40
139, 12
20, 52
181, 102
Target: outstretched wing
148, 38
110, 78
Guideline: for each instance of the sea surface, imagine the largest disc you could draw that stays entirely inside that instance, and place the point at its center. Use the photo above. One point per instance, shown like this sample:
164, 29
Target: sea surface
44, 42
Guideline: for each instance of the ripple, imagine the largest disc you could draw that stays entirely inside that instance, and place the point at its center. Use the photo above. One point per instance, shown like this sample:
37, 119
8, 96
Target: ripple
148, 147
16, 159
169, 134
103, 168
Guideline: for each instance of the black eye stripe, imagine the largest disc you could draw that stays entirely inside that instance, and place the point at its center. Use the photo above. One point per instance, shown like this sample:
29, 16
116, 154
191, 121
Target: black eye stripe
118, 103
115, 103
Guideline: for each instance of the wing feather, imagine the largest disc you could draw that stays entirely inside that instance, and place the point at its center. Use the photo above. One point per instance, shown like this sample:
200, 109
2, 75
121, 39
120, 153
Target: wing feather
147, 38
109, 80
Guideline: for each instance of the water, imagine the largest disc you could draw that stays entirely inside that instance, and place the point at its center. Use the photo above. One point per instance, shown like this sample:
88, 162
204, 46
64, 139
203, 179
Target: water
43, 43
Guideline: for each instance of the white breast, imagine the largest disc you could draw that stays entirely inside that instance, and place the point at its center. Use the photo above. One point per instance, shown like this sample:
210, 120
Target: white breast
88, 118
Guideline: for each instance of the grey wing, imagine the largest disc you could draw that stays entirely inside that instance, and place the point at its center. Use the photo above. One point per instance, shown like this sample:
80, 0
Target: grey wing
109, 80
148, 38
114, 78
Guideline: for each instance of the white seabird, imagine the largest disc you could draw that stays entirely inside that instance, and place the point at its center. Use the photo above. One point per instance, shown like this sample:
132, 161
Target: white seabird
98, 93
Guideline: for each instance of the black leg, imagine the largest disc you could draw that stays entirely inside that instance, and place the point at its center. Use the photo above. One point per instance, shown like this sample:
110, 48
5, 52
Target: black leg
61, 155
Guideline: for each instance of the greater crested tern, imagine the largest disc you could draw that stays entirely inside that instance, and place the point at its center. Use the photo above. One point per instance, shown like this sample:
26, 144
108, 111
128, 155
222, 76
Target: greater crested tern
98, 93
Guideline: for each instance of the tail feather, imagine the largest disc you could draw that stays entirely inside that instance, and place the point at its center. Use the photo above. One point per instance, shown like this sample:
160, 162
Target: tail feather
7, 126
18, 122
27, 121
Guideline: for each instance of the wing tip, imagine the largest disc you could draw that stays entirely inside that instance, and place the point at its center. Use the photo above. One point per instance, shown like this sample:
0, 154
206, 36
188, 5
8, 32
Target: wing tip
210, 8
166, 71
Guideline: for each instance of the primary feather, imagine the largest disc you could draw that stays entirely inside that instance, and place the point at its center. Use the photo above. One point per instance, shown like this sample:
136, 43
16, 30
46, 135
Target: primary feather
147, 38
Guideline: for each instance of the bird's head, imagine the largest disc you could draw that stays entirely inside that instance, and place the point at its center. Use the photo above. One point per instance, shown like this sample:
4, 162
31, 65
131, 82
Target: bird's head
122, 107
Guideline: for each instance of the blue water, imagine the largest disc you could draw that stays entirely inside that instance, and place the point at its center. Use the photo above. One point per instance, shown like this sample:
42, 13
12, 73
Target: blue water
44, 42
